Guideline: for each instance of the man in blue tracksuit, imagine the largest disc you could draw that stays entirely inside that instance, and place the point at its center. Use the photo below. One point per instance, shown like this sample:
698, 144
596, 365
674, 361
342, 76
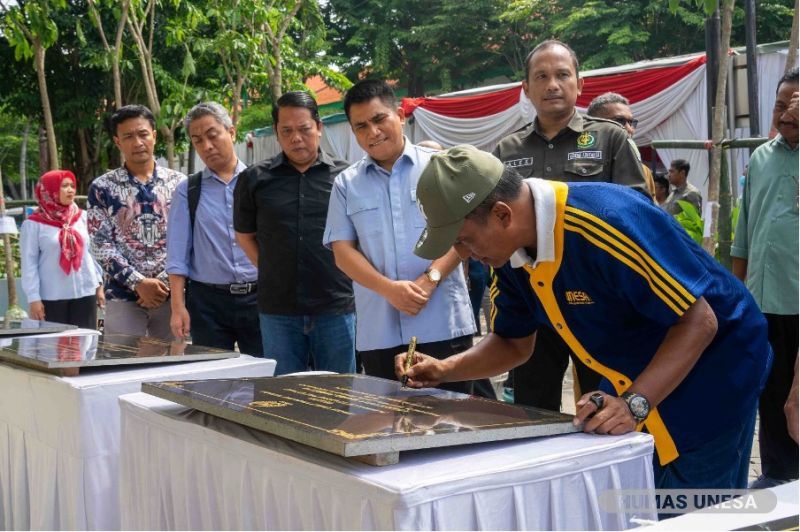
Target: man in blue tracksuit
679, 341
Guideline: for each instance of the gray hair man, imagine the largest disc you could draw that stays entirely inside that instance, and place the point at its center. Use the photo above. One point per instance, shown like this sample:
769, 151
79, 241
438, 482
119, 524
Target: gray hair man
214, 288
617, 108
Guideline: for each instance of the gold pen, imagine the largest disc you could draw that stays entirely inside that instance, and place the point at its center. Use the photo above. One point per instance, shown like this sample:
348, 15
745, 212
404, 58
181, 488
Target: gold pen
412, 346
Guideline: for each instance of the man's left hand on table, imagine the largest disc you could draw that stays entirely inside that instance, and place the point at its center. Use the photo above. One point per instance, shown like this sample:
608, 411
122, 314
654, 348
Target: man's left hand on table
613, 417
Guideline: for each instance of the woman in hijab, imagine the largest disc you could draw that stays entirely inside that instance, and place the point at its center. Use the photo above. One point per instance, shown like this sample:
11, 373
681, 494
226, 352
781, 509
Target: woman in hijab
60, 279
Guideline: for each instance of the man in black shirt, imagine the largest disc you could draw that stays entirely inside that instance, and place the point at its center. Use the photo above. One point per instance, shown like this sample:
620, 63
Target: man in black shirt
306, 306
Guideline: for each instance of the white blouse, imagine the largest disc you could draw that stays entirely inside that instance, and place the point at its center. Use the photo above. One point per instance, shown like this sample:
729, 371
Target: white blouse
42, 276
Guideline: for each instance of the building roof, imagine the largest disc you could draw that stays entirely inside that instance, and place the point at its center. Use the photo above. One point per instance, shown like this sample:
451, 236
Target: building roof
324, 93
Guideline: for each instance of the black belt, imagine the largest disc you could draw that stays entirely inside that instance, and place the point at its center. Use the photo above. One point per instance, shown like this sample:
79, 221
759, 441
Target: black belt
237, 289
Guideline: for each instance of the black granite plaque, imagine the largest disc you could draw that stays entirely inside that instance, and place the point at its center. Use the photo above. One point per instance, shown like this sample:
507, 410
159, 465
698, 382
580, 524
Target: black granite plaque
356, 415
26, 326
80, 351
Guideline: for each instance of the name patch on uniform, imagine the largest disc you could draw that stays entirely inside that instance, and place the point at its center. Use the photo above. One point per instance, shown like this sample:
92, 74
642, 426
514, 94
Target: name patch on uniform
585, 155
516, 163
578, 297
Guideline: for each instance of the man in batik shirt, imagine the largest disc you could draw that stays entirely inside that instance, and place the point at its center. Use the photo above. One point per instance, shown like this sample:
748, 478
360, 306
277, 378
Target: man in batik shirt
127, 215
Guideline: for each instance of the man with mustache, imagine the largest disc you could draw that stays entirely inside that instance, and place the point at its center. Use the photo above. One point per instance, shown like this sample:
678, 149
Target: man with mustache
617, 108
681, 344
305, 304
562, 145
765, 257
127, 215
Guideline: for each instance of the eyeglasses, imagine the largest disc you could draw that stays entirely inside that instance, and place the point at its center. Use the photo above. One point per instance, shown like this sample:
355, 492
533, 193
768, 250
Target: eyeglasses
621, 120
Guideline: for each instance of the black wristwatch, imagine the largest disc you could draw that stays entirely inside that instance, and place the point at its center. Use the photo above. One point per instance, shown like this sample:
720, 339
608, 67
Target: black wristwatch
638, 405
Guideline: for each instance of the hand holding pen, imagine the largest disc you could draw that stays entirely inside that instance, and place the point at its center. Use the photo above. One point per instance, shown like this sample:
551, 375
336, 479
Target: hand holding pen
418, 370
412, 347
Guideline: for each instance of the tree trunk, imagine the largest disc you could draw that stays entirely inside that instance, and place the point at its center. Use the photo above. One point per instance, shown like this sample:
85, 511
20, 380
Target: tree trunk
52, 147
725, 200
44, 162
23, 159
145, 55
169, 141
274, 39
276, 81
791, 56
9, 258
718, 128
117, 81
117, 54
416, 84
85, 162
236, 100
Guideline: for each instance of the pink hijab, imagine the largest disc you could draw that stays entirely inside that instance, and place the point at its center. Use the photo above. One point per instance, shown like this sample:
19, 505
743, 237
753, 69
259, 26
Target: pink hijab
52, 212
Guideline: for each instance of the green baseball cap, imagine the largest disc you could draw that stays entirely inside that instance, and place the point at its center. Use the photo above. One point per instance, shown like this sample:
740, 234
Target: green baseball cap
454, 182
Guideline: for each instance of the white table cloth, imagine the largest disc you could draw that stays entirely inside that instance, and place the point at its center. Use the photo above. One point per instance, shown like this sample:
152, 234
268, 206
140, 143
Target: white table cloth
182, 469
59, 439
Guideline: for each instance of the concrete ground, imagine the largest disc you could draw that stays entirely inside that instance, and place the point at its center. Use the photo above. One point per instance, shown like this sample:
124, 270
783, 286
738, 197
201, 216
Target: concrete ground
568, 405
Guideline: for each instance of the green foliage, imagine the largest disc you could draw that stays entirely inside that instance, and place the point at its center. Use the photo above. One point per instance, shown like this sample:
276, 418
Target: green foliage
419, 42
200, 45
707, 5
16, 256
28, 24
690, 220
12, 128
255, 116
230, 40
606, 33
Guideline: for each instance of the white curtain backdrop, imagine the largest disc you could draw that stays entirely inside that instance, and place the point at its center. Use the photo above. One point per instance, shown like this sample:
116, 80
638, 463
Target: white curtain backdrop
687, 122
483, 132
770, 70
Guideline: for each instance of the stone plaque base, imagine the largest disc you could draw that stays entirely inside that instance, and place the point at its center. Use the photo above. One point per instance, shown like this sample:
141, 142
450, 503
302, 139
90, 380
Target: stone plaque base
67, 354
28, 326
360, 416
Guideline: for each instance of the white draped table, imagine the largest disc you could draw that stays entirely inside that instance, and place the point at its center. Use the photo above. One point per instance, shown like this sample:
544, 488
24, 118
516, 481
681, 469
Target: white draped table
181, 469
59, 439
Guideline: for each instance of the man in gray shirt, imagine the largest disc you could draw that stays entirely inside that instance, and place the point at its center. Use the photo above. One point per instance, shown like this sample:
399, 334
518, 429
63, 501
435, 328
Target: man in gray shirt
682, 190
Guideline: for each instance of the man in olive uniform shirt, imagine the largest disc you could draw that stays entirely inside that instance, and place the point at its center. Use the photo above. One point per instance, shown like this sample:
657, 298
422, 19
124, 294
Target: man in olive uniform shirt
562, 145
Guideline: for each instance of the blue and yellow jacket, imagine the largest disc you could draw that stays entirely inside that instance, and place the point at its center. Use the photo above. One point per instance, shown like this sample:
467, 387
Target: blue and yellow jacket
624, 273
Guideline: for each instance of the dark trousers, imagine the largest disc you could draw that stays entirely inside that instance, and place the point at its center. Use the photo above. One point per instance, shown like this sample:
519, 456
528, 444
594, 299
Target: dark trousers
221, 319
778, 449
538, 381
81, 312
721, 463
380, 363
477, 286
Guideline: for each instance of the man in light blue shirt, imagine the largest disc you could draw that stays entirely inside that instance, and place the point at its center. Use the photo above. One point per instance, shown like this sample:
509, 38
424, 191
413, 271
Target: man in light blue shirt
372, 227
220, 307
